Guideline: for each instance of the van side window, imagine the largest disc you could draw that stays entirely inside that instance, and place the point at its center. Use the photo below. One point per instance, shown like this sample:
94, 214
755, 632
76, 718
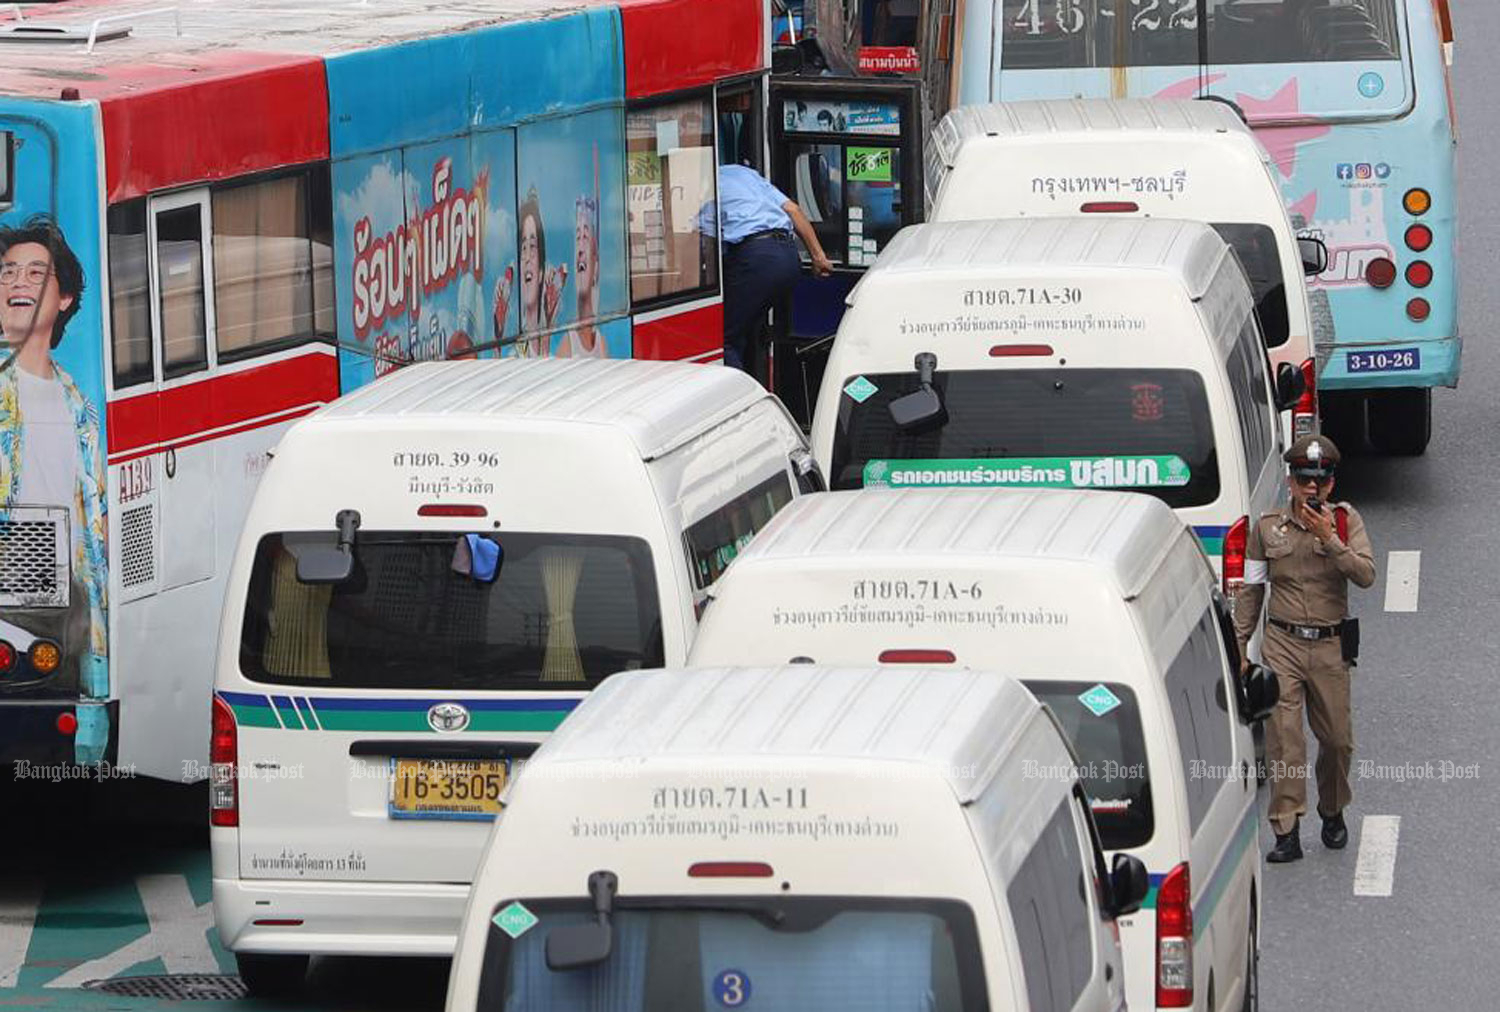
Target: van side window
714, 541
1247, 384
1197, 693
1049, 903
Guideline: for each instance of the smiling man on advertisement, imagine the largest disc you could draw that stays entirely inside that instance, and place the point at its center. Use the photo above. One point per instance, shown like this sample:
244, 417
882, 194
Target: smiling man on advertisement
49, 431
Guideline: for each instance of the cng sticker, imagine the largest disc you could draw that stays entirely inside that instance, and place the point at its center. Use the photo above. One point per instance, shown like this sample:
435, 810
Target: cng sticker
1099, 700
515, 920
860, 389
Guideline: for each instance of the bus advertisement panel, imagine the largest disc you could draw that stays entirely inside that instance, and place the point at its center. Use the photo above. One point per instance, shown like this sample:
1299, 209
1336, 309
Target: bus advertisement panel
54, 503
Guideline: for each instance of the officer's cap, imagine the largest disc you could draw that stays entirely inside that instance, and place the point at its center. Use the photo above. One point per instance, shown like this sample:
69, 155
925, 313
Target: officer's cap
1312, 456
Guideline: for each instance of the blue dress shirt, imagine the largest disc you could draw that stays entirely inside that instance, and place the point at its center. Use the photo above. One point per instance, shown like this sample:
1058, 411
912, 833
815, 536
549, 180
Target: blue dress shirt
747, 204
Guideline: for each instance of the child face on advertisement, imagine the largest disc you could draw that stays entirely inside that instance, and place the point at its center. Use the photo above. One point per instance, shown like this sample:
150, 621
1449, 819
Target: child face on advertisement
586, 251
531, 267
30, 299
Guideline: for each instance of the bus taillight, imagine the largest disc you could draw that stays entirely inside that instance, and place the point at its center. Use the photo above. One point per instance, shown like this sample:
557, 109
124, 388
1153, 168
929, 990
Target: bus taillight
224, 759
1418, 238
1381, 272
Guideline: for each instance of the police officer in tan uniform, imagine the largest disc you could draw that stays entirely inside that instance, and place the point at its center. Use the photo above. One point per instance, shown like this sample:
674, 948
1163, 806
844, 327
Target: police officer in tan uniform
1307, 554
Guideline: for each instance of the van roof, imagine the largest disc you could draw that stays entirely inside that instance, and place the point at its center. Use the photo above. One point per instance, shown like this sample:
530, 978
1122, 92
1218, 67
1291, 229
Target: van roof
1190, 250
659, 405
1124, 535
1078, 119
959, 725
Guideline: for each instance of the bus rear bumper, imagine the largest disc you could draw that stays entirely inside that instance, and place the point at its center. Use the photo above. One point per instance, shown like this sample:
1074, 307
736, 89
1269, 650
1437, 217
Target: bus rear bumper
30, 736
1384, 365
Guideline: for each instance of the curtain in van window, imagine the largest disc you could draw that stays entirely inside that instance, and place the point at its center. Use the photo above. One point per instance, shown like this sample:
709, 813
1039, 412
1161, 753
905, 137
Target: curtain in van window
561, 568
865, 961
616, 985
297, 637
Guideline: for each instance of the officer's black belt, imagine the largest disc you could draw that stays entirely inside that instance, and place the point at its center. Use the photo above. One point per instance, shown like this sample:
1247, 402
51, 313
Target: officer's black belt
1306, 632
766, 233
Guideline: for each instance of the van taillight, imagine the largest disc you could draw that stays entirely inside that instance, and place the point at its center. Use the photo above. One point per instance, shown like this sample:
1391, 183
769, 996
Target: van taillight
1305, 412
1110, 207
1174, 940
1234, 555
916, 657
1019, 350
224, 760
443, 509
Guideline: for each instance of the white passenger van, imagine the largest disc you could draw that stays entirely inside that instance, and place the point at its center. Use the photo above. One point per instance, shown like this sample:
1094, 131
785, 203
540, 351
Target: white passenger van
1060, 352
1104, 607
798, 838
434, 571
1159, 158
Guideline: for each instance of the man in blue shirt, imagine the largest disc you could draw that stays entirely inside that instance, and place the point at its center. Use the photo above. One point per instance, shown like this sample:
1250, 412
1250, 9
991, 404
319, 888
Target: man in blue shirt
761, 264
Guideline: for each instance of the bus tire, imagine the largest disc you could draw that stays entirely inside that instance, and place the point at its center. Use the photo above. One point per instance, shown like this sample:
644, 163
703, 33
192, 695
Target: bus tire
271, 976
1401, 421
1342, 418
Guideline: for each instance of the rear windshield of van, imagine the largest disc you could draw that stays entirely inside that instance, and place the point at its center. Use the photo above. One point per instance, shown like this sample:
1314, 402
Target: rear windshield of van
1146, 430
559, 611
834, 954
1103, 722
1255, 245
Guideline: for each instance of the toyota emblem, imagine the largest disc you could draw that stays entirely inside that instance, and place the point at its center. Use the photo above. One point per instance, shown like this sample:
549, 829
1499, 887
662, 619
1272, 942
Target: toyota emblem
448, 717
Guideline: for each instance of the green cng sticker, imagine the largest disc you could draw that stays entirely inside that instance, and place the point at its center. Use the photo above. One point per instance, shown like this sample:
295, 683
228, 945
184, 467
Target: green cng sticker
1099, 700
860, 389
869, 165
1031, 472
515, 920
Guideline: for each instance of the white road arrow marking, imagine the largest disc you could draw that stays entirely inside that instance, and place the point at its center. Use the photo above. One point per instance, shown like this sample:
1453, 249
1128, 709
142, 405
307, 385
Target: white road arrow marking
18, 904
178, 933
1375, 871
1403, 571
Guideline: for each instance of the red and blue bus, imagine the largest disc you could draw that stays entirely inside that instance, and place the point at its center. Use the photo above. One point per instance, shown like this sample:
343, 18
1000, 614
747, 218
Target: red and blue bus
215, 218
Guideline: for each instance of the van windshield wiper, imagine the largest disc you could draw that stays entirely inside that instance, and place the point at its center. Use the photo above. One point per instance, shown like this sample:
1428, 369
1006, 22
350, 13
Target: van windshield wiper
921, 410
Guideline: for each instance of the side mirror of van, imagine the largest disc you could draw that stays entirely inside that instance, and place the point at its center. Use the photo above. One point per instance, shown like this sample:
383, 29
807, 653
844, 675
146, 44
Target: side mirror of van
324, 560
1259, 694
1128, 885
580, 945
1314, 255
922, 409
1289, 386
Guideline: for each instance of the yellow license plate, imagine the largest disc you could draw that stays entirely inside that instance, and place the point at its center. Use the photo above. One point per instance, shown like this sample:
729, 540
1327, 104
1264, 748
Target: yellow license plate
447, 788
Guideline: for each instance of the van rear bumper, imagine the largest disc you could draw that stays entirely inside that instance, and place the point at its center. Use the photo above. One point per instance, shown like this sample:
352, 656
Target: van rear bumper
339, 918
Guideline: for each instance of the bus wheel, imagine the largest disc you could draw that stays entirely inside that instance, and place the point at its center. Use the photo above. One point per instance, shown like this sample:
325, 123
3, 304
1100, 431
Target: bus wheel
267, 975
1342, 418
1401, 421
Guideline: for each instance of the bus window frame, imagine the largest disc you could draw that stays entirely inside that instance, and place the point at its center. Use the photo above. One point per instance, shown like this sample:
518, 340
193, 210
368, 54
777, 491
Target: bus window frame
714, 288
309, 171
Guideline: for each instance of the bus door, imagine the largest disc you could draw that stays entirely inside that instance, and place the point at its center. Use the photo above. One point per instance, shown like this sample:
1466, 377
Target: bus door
182, 317
849, 153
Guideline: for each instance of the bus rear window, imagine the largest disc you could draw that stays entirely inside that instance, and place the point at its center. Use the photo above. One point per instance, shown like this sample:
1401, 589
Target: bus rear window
1073, 34
831, 953
1026, 427
562, 612
1103, 721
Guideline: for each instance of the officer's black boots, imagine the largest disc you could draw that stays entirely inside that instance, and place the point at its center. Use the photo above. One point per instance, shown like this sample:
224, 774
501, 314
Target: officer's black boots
1288, 846
1335, 833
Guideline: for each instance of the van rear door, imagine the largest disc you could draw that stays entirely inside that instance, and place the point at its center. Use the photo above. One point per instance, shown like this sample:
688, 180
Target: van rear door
390, 709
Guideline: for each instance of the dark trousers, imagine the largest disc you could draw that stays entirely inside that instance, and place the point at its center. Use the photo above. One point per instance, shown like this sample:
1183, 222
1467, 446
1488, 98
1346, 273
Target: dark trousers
758, 271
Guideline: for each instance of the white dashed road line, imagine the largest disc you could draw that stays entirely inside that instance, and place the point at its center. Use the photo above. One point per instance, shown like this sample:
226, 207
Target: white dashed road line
1403, 571
1375, 871
18, 903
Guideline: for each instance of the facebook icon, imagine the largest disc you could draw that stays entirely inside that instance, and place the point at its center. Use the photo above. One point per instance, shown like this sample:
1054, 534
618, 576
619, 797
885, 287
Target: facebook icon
1345, 170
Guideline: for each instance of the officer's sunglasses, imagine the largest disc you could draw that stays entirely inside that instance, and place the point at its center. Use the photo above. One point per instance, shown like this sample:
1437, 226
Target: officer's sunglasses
1312, 479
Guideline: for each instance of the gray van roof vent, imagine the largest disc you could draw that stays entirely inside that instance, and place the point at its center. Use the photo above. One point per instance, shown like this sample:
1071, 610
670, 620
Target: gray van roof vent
90, 33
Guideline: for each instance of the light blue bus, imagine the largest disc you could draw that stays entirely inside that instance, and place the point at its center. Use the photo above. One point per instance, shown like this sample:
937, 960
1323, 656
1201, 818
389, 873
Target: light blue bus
1352, 98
